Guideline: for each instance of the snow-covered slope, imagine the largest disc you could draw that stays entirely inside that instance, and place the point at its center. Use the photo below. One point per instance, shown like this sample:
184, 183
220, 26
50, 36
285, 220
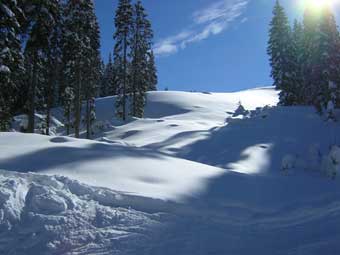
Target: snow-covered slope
193, 177
132, 170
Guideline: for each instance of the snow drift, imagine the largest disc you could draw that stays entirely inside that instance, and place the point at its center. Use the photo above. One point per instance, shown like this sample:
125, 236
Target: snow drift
199, 175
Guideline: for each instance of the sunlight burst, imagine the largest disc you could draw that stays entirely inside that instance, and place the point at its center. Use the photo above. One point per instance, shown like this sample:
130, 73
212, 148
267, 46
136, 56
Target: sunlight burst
319, 4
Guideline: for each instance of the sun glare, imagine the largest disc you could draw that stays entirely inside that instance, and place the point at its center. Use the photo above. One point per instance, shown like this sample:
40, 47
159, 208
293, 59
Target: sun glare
319, 4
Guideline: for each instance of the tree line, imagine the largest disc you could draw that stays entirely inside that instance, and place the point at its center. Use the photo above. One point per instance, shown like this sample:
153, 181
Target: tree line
305, 58
50, 57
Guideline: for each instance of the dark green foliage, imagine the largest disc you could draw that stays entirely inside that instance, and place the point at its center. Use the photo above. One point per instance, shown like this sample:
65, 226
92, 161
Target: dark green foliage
81, 57
280, 50
140, 48
11, 60
152, 72
42, 19
109, 83
306, 62
123, 38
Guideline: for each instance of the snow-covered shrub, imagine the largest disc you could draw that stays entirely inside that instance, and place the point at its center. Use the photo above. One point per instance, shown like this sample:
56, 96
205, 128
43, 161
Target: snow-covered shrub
262, 112
240, 110
331, 162
288, 162
314, 157
101, 125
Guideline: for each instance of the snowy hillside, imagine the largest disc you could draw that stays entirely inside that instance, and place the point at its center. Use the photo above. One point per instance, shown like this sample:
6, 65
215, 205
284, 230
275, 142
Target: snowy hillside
196, 176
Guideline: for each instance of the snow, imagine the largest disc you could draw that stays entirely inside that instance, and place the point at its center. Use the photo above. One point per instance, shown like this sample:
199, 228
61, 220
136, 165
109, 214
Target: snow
192, 177
4, 69
119, 167
54, 215
7, 11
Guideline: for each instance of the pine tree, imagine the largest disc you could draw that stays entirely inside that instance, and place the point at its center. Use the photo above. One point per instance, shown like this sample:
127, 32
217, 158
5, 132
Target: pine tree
152, 72
93, 66
311, 56
108, 87
68, 99
11, 59
41, 17
329, 84
53, 67
141, 49
122, 36
280, 50
76, 48
298, 51
92, 110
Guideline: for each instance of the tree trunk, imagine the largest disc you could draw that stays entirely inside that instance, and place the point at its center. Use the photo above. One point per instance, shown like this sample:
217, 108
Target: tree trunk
125, 79
88, 131
68, 120
32, 94
49, 104
77, 107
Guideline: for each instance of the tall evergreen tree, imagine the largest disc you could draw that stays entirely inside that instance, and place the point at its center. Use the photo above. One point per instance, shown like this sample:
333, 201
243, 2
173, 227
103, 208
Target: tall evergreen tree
41, 17
76, 48
122, 36
141, 50
280, 51
92, 68
138, 65
329, 83
54, 55
68, 102
11, 59
311, 55
108, 87
152, 72
297, 54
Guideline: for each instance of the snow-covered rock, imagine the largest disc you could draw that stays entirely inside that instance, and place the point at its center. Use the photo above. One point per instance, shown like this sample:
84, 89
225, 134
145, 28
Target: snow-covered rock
288, 162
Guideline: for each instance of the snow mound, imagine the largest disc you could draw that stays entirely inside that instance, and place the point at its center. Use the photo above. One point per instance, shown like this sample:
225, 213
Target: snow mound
55, 215
193, 177
137, 171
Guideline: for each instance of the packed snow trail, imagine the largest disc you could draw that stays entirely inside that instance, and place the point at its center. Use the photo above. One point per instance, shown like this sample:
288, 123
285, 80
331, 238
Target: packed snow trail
194, 177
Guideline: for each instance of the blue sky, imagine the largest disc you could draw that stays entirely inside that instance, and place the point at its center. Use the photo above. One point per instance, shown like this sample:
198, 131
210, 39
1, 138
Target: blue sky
205, 45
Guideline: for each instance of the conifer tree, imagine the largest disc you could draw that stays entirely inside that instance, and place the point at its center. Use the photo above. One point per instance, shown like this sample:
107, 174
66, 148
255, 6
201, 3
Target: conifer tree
41, 17
54, 55
311, 55
328, 85
152, 72
141, 50
68, 102
92, 73
298, 51
138, 65
76, 48
11, 59
122, 36
280, 51
108, 87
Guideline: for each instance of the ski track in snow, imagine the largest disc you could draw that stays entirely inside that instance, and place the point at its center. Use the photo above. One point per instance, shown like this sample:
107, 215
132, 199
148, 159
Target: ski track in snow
190, 178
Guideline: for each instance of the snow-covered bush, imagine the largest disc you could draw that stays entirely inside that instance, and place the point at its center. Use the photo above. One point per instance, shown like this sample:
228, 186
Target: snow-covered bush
314, 158
331, 162
101, 125
288, 162
240, 110
327, 164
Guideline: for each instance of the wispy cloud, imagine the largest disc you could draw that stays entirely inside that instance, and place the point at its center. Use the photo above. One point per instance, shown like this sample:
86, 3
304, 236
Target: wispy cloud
206, 22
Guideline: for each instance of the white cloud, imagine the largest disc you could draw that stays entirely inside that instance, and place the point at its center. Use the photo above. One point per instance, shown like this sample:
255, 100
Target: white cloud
244, 20
165, 49
210, 21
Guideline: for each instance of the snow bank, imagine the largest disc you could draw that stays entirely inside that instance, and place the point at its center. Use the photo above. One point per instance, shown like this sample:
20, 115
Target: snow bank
55, 215
221, 174
136, 171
